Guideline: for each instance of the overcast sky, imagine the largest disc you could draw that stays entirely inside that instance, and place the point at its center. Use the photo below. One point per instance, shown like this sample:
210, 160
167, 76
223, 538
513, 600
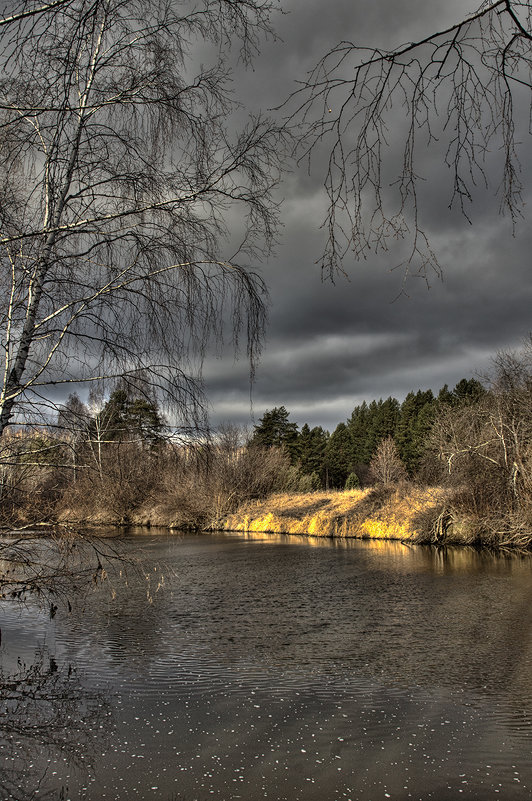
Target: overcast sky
331, 346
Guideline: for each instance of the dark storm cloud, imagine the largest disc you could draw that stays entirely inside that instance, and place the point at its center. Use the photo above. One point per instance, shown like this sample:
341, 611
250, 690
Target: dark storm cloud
331, 346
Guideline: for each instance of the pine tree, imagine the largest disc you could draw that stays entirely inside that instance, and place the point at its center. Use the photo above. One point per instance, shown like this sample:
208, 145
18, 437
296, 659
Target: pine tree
358, 426
125, 418
468, 391
352, 482
275, 430
311, 448
338, 453
413, 427
382, 421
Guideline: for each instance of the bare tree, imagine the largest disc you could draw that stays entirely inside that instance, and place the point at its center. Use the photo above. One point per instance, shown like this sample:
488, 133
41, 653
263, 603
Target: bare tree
486, 449
386, 466
120, 184
73, 422
462, 90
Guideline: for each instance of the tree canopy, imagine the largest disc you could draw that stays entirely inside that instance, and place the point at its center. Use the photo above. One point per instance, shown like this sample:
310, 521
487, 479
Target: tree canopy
275, 430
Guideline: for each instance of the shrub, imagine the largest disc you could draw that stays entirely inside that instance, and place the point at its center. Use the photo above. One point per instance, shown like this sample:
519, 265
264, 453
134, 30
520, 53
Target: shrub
352, 482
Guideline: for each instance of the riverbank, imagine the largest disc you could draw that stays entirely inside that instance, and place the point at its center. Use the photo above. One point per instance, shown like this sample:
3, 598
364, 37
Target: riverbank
404, 512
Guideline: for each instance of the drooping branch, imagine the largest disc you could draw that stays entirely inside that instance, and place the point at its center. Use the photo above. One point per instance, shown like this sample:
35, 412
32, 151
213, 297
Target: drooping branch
121, 181
379, 113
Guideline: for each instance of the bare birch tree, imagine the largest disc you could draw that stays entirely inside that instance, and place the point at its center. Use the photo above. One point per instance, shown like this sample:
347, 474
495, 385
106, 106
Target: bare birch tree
386, 466
120, 185
463, 91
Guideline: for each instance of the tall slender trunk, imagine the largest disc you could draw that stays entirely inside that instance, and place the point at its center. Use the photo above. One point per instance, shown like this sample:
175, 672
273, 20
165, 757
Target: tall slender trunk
54, 216
13, 383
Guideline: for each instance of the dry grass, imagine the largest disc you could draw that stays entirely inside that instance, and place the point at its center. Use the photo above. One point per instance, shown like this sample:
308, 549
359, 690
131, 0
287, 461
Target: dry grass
385, 513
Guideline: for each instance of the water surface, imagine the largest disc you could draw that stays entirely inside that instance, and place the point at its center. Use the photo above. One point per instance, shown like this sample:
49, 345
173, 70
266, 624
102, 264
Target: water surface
281, 668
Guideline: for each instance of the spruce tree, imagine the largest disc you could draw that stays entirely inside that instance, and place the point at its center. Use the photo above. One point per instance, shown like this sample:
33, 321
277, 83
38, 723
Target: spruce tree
414, 424
311, 448
338, 456
275, 430
383, 417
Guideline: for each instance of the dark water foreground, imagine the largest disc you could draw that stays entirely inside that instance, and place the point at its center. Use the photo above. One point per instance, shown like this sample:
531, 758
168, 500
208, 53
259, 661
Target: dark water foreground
276, 668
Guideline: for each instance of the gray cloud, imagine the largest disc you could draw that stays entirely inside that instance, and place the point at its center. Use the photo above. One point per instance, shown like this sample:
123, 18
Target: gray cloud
331, 346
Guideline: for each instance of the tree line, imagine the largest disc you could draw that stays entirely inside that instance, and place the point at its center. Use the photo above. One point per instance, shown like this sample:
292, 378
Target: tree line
347, 457
114, 459
475, 441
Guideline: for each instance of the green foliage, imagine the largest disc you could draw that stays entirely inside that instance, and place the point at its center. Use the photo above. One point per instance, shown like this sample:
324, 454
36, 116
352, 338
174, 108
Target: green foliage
338, 456
368, 425
127, 418
358, 425
142, 418
275, 431
467, 391
383, 417
352, 482
413, 427
311, 445
445, 396
353, 445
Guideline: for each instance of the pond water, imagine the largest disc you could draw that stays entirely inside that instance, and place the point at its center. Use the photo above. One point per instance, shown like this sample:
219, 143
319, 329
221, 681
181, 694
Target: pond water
277, 668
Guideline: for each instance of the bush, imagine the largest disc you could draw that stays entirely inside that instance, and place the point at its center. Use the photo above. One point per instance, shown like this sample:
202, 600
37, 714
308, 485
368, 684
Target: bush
309, 483
352, 482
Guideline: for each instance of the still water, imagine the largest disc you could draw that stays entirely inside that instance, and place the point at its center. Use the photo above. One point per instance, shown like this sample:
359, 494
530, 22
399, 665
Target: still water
277, 668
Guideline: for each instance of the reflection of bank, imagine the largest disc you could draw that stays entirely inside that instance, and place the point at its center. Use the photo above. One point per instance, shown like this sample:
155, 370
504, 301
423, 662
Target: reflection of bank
54, 565
48, 723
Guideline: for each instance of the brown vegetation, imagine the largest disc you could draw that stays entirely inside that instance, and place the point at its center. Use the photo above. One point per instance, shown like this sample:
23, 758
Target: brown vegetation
485, 449
126, 482
386, 466
391, 512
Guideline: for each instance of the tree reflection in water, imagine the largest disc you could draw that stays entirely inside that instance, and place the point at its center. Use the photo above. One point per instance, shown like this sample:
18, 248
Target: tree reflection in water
46, 718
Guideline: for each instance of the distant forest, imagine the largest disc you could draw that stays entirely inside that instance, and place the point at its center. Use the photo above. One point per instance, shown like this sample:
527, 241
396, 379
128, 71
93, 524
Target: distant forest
344, 458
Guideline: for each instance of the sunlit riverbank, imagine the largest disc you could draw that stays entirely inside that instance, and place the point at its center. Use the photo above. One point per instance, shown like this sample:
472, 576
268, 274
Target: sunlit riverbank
406, 512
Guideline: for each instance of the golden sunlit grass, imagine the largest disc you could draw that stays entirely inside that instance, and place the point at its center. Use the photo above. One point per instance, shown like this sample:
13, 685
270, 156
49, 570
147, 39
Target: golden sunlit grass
397, 513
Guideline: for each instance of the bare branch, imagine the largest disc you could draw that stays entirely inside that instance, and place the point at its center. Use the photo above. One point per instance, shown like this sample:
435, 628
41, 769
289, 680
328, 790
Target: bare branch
33, 12
378, 111
121, 179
